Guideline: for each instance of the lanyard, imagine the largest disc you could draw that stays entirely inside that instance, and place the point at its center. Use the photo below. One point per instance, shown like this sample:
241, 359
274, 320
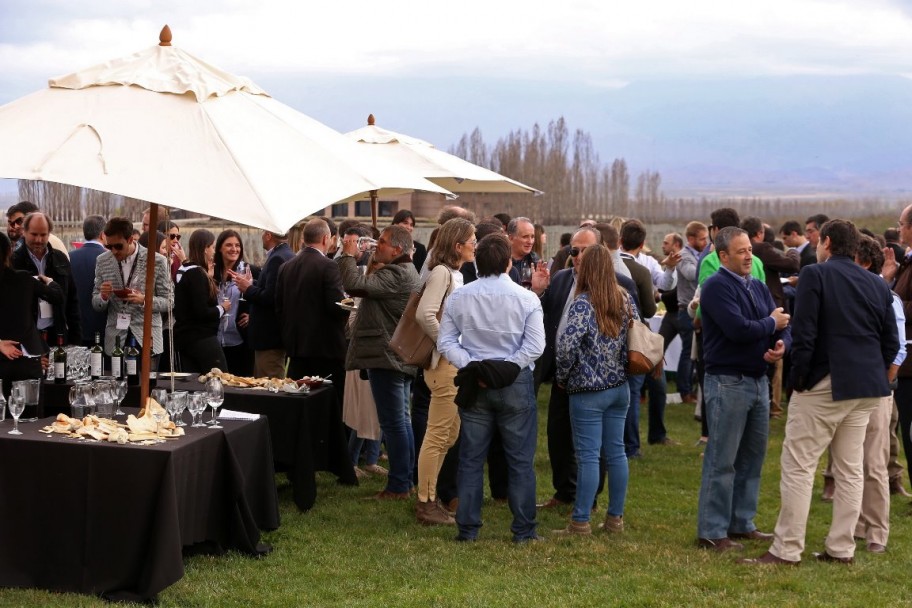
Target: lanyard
132, 270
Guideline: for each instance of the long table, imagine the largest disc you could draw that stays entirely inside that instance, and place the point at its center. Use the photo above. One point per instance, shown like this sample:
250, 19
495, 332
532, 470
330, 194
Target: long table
115, 520
306, 430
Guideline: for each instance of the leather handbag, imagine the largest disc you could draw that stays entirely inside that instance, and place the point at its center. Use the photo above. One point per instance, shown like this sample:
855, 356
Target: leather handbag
645, 348
409, 341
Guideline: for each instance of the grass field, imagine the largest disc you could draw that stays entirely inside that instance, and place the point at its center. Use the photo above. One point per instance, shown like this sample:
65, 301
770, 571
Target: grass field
350, 552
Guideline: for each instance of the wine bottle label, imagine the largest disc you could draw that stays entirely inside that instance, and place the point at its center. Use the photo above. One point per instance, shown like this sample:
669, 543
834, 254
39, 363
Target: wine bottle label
95, 364
131, 367
60, 369
116, 367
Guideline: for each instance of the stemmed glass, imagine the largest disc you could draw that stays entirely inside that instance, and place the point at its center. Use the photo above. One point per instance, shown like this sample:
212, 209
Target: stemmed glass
197, 405
16, 406
121, 393
215, 395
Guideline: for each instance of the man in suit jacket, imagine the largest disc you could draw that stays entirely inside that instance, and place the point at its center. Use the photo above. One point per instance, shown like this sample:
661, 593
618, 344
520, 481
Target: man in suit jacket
38, 257
82, 261
840, 308
265, 329
123, 266
313, 327
555, 304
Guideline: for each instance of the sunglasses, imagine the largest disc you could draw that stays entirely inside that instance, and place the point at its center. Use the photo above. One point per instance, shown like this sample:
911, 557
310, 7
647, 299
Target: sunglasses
575, 251
16, 222
115, 247
174, 237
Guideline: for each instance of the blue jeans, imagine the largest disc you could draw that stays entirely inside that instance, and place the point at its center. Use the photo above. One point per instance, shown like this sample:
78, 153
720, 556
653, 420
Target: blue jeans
512, 410
371, 449
632, 424
685, 365
598, 428
738, 432
391, 394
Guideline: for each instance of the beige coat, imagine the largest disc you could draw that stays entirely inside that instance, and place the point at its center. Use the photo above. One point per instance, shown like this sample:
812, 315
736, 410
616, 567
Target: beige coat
439, 285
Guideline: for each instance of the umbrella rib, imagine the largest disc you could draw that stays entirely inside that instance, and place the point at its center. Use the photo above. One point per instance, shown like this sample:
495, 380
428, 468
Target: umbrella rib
47, 159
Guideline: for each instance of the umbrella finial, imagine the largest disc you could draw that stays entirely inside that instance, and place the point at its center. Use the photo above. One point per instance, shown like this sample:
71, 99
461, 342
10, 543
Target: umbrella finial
164, 39
370, 120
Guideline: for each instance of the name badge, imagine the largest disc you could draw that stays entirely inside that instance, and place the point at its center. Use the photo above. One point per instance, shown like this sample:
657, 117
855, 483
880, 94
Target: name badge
123, 321
45, 310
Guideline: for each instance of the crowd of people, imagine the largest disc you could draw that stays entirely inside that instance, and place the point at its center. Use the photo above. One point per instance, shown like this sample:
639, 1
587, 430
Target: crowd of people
815, 318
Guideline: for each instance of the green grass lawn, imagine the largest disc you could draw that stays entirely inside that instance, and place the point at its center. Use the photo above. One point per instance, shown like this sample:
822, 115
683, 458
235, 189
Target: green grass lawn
350, 552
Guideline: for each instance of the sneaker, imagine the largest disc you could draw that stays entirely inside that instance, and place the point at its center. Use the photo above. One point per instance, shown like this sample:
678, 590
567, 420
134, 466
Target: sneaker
613, 524
432, 514
376, 469
575, 528
360, 473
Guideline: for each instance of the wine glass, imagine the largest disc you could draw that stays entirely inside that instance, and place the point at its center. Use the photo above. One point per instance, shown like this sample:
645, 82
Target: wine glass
16, 406
120, 387
215, 395
197, 405
525, 277
77, 403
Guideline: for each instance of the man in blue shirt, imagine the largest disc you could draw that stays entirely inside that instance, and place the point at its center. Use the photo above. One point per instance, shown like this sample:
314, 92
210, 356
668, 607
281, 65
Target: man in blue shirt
495, 320
743, 332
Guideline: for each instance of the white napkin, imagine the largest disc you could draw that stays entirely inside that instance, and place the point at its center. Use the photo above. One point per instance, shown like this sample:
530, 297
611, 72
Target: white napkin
232, 415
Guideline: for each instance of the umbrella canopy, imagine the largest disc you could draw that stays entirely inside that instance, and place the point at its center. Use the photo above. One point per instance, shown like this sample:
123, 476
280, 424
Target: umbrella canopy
451, 172
165, 127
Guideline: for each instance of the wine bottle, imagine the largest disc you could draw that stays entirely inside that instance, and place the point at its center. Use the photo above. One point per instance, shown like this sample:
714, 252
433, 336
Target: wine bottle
117, 359
131, 362
96, 358
60, 362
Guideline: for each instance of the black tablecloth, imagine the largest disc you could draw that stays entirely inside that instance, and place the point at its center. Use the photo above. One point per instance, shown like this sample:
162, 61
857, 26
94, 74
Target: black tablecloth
114, 520
306, 430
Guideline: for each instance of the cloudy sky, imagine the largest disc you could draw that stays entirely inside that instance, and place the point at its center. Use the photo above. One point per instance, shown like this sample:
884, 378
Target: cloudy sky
294, 47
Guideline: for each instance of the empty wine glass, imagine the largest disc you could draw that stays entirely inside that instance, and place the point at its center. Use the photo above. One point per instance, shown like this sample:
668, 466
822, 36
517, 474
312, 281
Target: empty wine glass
215, 395
197, 404
121, 390
16, 406
177, 404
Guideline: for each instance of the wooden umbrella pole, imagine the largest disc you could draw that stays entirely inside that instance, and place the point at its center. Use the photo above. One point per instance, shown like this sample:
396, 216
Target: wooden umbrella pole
374, 207
147, 309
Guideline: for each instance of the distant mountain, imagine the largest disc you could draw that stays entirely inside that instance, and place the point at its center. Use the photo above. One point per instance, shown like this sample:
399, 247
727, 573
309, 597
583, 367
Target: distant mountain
845, 135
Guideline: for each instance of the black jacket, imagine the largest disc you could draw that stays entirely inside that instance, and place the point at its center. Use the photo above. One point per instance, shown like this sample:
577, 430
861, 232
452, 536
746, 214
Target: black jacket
265, 329
196, 314
66, 312
19, 307
493, 373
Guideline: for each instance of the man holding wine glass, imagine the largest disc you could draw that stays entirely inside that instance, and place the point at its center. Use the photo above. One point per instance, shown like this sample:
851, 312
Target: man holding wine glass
528, 270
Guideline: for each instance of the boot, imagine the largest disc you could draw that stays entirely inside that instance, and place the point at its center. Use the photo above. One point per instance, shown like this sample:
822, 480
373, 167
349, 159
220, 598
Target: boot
613, 524
575, 528
431, 514
896, 487
829, 487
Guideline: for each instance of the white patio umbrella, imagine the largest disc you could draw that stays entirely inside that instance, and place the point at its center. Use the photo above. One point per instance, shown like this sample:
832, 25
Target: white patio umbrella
444, 169
165, 127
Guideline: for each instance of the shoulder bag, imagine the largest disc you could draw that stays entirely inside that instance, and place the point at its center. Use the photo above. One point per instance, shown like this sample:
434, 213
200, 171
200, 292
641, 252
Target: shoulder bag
409, 341
645, 348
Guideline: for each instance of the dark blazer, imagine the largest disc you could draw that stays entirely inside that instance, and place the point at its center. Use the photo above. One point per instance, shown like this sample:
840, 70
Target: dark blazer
264, 330
66, 313
553, 301
308, 288
844, 326
19, 308
808, 256
196, 313
774, 263
82, 262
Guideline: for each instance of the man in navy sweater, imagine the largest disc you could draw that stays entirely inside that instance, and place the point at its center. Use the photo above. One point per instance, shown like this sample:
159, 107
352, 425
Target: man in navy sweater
743, 332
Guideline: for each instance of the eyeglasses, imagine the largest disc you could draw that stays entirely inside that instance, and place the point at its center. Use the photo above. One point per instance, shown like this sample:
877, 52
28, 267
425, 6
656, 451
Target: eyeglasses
473, 242
114, 247
16, 222
174, 237
575, 251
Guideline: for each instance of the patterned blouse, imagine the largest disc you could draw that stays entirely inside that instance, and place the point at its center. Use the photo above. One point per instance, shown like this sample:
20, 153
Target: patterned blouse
587, 359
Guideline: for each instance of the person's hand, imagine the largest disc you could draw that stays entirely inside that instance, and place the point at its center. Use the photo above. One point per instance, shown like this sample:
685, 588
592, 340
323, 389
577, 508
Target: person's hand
793, 280
541, 278
781, 318
350, 245
45, 279
135, 297
45, 364
243, 281
106, 290
243, 320
892, 372
226, 304
10, 349
672, 259
890, 266
774, 354
177, 250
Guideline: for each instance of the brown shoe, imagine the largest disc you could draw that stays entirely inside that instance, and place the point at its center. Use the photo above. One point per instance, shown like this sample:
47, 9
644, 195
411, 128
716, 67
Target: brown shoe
552, 503
689, 398
432, 514
829, 488
575, 528
360, 473
823, 556
876, 548
719, 545
452, 506
387, 495
767, 559
752, 535
897, 488
613, 524
376, 469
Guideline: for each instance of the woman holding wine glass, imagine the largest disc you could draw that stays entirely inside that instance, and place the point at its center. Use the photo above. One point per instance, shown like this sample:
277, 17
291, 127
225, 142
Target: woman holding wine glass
232, 333
197, 312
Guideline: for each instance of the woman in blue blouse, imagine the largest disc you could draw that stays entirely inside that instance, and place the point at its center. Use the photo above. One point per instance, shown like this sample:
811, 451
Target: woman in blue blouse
591, 360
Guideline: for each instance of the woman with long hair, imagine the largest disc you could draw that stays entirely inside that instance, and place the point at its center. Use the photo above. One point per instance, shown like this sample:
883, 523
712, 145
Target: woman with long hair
175, 252
453, 246
591, 358
539, 241
232, 331
197, 311
21, 345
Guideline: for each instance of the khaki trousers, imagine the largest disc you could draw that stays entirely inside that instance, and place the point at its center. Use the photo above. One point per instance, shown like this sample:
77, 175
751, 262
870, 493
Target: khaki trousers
893, 467
269, 363
814, 422
874, 523
776, 384
442, 427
